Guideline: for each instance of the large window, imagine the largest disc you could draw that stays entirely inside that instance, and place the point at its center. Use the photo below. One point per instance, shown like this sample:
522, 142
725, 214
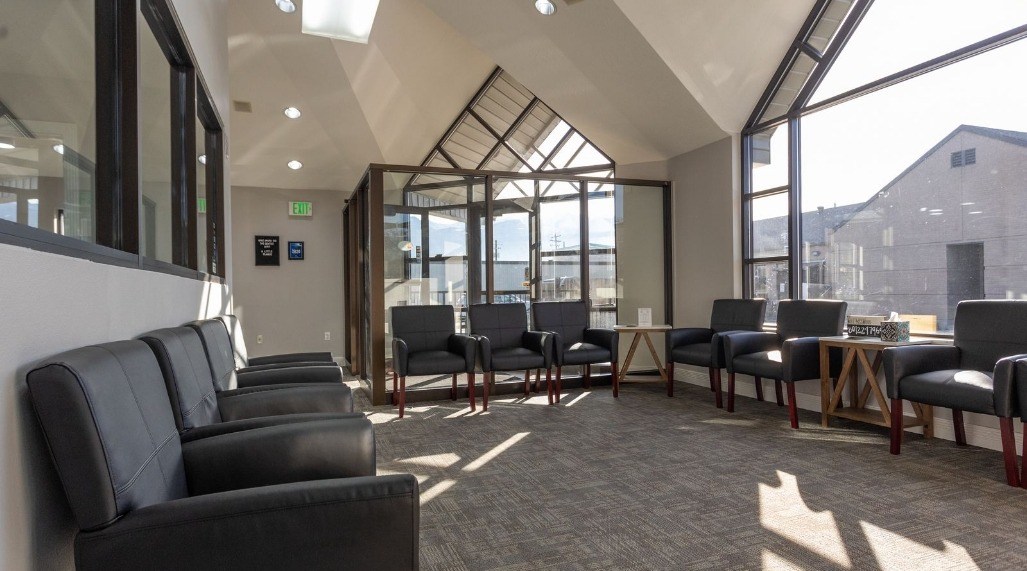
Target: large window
896, 193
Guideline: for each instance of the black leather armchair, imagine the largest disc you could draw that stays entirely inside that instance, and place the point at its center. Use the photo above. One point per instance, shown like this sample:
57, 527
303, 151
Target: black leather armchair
245, 362
280, 497
201, 410
975, 374
704, 347
790, 354
574, 342
505, 344
221, 355
424, 342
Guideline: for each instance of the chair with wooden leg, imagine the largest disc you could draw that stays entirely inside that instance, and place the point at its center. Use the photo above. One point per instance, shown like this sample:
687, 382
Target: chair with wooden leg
424, 342
788, 355
704, 347
505, 344
574, 342
976, 374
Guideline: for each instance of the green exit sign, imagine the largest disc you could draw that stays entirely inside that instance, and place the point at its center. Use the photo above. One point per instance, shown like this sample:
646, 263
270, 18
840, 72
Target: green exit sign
201, 205
301, 209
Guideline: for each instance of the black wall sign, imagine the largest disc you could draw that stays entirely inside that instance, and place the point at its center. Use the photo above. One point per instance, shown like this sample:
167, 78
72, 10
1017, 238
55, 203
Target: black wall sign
295, 250
266, 249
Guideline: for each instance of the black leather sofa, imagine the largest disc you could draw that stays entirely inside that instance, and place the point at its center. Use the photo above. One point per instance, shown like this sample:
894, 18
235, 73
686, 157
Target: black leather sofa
278, 497
574, 342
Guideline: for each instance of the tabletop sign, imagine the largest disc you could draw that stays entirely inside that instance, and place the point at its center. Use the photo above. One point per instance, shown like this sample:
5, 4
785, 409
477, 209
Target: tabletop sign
645, 317
301, 209
266, 250
295, 250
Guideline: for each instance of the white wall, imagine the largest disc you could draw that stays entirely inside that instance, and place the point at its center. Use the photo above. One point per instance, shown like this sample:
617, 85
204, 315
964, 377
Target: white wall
294, 304
51, 303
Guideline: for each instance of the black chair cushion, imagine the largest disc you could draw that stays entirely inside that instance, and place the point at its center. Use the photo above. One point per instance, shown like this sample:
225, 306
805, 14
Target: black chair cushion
810, 318
763, 364
987, 330
972, 391
568, 319
698, 354
503, 324
516, 359
434, 363
190, 386
214, 336
737, 315
585, 354
423, 327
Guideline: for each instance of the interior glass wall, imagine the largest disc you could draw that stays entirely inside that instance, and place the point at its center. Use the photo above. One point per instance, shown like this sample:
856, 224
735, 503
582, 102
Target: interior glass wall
475, 237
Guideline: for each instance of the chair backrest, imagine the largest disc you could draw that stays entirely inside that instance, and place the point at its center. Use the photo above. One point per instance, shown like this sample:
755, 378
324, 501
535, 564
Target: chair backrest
810, 318
105, 413
738, 314
504, 324
568, 319
218, 346
423, 327
987, 330
235, 336
186, 370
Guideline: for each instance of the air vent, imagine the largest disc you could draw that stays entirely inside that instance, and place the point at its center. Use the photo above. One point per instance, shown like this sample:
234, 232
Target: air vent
957, 159
242, 106
970, 156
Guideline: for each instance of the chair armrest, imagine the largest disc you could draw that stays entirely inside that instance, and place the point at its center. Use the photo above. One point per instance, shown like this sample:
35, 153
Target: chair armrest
320, 357
484, 353
356, 523
400, 356
800, 359
606, 338
1007, 403
464, 345
539, 342
687, 336
746, 342
273, 400
260, 422
317, 374
899, 362
277, 366
317, 450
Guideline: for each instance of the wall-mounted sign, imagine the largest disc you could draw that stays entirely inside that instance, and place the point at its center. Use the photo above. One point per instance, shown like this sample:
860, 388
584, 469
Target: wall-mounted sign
266, 250
295, 250
301, 209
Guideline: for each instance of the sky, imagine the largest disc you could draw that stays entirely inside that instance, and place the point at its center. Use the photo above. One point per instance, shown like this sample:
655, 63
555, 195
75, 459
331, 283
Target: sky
852, 150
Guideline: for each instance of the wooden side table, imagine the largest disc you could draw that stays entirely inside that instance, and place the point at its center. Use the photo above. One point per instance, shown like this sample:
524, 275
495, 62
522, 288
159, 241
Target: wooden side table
855, 349
640, 333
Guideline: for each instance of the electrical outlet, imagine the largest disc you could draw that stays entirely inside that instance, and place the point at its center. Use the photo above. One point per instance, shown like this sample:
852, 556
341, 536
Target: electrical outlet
328, 335
260, 339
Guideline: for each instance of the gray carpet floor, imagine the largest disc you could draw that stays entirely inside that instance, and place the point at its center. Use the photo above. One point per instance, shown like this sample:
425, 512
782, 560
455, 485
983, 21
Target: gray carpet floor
649, 482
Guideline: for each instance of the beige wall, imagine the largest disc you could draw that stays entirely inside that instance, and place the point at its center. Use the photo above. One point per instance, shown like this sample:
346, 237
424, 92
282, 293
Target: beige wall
294, 304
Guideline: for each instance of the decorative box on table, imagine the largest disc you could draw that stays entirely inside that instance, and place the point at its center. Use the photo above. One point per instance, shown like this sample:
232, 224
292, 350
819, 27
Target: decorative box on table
896, 331
865, 325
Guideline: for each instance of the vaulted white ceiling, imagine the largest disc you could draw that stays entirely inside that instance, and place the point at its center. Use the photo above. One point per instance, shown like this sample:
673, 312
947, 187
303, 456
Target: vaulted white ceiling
645, 80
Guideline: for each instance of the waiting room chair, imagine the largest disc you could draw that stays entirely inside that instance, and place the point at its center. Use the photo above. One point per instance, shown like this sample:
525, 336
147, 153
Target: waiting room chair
245, 362
275, 498
975, 374
425, 342
574, 342
790, 354
505, 344
704, 347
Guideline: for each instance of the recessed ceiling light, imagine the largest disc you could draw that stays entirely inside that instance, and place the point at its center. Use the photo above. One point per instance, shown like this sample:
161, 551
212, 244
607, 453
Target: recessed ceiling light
202, 159
287, 6
977, 212
292, 113
545, 7
966, 203
936, 213
59, 149
295, 165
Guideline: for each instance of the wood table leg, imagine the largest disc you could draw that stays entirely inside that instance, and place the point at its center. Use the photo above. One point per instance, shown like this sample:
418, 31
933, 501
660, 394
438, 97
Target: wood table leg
854, 378
1009, 451
395, 388
452, 391
957, 426
730, 392
793, 407
777, 392
549, 384
627, 359
929, 419
656, 356
871, 375
559, 383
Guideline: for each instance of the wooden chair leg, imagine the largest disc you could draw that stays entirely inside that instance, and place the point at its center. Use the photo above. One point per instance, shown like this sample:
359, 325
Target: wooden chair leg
711, 379
957, 426
896, 426
793, 408
402, 395
527, 383
716, 390
559, 383
452, 391
487, 380
1009, 451
588, 376
670, 378
730, 392
549, 385
470, 387
395, 388
759, 389
1023, 464
615, 378
538, 378
777, 389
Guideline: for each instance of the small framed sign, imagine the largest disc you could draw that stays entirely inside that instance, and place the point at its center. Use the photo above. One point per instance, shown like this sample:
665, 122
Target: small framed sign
645, 317
266, 250
295, 250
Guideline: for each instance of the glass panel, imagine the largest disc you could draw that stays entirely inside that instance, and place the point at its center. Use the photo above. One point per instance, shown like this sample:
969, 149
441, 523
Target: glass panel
602, 250
588, 156
511, 222
789, 88
567, 152
469, 143
899, 34
549, 188
770, 226
47, 117
770, 281
827, 27
770, 159
931, 213
505, 161
638, 220
560, 228
154, 146
201, 197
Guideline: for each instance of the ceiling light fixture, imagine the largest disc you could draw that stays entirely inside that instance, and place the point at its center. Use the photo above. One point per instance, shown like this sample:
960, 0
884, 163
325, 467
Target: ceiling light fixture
202, 159
348, 20
295, 165
292, 113
58, 148
287, 6
545, 7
